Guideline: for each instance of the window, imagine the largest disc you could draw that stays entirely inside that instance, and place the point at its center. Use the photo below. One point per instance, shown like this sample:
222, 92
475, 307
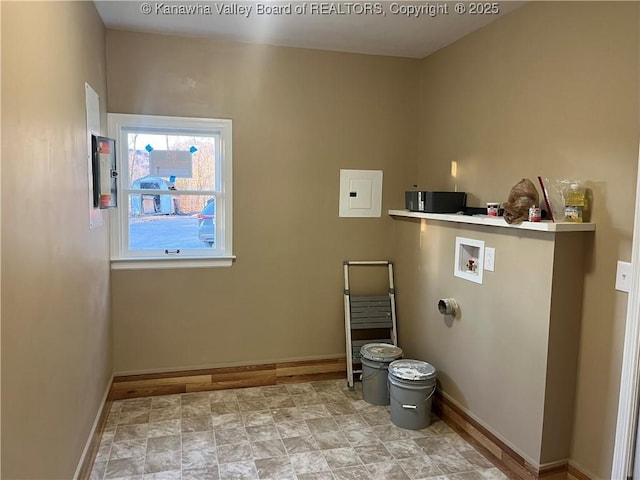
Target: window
175, 192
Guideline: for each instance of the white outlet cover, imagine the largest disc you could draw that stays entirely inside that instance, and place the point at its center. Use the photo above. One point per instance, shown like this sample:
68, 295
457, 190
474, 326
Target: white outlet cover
489, 259
623, 277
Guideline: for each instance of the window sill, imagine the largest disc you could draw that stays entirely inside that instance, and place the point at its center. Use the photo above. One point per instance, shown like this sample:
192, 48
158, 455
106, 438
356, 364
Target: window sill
164, 263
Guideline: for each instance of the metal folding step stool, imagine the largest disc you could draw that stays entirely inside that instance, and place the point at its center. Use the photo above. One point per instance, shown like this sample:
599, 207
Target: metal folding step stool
375, 313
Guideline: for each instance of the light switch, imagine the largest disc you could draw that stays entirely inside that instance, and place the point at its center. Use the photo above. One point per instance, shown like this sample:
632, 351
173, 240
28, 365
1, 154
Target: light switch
360, 193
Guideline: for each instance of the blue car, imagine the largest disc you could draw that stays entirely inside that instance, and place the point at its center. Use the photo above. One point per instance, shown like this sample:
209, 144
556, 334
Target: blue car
207, 223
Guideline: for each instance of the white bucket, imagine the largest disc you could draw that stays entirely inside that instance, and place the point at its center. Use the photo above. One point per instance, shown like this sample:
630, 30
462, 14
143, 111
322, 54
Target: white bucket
376, 358
412, 384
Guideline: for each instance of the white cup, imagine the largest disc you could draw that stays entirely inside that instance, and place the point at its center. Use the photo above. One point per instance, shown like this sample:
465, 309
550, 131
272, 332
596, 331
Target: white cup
492, 208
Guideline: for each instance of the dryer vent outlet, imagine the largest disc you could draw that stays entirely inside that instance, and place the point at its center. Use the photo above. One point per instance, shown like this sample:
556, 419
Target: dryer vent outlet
448, 306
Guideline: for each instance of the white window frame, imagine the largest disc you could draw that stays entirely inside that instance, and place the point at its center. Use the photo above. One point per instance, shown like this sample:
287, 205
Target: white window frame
222, 255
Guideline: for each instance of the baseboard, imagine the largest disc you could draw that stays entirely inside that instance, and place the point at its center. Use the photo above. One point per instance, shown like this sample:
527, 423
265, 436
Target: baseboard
514, 465
213, 366
83, 471
575, 472
185, 381
556, 472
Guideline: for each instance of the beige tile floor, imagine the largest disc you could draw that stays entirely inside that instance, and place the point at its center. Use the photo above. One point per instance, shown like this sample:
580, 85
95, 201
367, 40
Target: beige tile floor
302, 431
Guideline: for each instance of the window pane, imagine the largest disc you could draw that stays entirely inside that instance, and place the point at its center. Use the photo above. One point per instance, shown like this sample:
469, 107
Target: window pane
154, 159
172, 170
173, 222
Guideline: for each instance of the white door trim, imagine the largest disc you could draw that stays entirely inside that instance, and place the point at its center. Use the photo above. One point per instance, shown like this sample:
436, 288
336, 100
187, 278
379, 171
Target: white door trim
630, 376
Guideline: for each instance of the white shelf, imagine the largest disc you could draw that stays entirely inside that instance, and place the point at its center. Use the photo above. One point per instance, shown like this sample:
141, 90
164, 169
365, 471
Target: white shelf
544, 226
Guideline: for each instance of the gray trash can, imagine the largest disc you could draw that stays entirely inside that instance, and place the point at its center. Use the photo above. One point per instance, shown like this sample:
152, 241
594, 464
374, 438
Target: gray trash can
412, 384
376, 358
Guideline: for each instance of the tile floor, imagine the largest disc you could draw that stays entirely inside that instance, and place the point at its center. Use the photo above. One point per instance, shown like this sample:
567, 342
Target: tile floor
302, 431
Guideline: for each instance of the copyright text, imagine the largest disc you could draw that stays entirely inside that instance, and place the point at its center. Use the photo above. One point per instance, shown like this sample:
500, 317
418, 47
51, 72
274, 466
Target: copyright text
246, 9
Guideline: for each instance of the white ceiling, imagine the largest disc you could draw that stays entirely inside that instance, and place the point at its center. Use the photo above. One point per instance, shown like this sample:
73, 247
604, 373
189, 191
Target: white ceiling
387, 33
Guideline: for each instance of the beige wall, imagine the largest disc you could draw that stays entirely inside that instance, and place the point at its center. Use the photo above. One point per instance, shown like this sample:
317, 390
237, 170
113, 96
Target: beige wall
551, 90
298, 117
509, 358
56, 346
492, 359
564, 343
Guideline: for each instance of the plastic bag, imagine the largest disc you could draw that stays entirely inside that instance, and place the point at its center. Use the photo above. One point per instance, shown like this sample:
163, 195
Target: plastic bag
522, 197
558, 191
553, 199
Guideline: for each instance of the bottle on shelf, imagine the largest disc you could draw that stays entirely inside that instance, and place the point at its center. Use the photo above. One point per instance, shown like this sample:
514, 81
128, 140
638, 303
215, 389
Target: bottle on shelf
574, 203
